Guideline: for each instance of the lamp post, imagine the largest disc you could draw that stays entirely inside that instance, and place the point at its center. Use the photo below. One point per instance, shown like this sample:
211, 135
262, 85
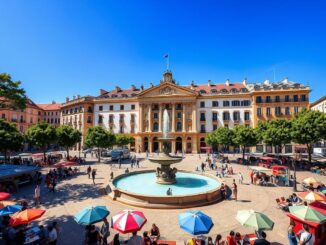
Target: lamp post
296, 157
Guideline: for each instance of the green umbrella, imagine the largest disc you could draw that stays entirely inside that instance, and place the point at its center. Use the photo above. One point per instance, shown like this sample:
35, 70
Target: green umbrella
254, 220
307, 213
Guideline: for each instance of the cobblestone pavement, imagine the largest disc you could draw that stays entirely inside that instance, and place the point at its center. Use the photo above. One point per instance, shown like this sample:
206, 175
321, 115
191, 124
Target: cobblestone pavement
78, 192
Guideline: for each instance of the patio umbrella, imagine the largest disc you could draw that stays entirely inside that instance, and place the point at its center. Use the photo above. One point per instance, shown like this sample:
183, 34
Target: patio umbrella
310, 180
323, 190
64, 164
312, 196
26, 216
127, 221
4, 195
195, 222
254, 220
307, 214
91, 215
6, 203
10, 209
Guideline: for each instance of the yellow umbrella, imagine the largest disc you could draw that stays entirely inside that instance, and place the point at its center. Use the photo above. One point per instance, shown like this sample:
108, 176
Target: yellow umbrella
310, 180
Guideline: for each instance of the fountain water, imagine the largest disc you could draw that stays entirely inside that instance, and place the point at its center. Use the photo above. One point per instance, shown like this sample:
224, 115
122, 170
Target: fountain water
165, 174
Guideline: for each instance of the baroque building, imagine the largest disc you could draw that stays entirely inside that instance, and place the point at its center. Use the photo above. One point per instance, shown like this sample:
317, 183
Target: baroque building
51, 113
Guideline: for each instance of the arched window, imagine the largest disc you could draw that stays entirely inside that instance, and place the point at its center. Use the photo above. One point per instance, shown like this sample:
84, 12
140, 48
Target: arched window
224, 91
234, 91
124, 95
114, 95
202, 91
213, 91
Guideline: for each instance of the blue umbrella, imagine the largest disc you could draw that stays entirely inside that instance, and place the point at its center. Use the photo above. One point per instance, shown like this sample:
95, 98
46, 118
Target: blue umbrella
195, 222
91, 215
10, 209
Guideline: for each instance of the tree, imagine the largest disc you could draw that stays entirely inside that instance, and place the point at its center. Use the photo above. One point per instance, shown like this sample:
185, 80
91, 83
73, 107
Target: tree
277, 132
10, 138
245, 137
11, 95
99, 137
211, 139
123, 139
308, 128
67, 137
222, 136
41, 135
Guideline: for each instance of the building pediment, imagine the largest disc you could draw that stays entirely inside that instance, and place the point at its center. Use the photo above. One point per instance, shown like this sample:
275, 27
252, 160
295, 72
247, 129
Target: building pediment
166, 90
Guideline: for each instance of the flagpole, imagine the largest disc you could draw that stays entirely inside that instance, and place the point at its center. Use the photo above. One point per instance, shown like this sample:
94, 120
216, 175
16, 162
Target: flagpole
168, 62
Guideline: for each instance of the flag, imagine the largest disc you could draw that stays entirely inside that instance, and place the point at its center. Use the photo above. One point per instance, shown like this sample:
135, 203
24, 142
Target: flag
166, 56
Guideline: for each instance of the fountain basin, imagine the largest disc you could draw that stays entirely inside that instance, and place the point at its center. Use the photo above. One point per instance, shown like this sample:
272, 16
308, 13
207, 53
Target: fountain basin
190, 190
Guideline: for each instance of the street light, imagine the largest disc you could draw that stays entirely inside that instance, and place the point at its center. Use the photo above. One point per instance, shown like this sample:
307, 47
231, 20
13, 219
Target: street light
296, 158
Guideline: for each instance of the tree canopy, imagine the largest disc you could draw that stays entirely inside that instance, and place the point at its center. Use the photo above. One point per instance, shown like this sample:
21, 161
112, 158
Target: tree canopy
309, 127
123, 139
245, 137
222, 136
41, 135
67, 137
10, 138
99, 137
12, 96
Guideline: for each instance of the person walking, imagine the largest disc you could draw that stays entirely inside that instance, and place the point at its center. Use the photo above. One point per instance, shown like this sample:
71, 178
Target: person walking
89, 170
53, 183
235, 190
93, 175
37, 194
240, 178
105, 231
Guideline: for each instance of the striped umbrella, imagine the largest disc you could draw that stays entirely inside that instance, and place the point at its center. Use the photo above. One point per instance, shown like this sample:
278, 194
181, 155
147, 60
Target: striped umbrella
127, 221
312, 196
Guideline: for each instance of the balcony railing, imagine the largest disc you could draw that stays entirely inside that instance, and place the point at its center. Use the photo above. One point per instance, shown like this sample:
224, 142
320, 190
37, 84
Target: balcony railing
202, 119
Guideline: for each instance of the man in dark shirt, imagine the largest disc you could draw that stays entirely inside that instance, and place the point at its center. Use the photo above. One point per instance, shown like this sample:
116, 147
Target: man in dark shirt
262, 240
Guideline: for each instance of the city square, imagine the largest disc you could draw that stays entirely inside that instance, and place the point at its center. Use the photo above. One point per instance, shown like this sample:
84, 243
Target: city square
162, 123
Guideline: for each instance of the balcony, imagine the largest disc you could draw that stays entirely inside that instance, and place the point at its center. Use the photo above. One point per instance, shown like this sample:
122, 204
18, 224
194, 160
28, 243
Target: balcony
214, 119
203, 119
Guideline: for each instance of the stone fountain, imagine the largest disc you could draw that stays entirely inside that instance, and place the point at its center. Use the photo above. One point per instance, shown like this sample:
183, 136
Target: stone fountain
165, 174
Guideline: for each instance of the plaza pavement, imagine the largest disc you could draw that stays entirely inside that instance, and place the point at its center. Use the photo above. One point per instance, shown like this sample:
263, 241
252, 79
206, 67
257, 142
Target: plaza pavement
78, 192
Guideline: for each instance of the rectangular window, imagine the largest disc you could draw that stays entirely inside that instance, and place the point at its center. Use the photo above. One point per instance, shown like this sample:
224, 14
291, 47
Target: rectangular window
155, 115
245, 103
179, 126
179, 115
214, 116
236, 116
202, 104
100, 108
3, 116
247, 115
268, 99
226, 116
133, 107
295, 98
268, 111
214, 103
258, 99
111, 119
89, 119
214, 126
288, 148
226, 103
303, 97
100, 119
277, 98
111, 107
122, 107
202, 117
287, 98
259, 112
178, 106
203, 128
235, 103
296, 110
277, 111
287, 111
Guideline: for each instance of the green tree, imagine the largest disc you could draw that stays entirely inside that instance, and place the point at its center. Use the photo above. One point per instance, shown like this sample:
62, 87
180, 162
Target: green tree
99, 137
308, 128
11, 95
41, 135
222, 136
10, 138
245, 137
67, 137
277, 132
123, 139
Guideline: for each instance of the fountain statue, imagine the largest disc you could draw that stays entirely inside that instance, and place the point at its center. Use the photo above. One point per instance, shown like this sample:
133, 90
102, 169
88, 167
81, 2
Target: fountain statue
165, 174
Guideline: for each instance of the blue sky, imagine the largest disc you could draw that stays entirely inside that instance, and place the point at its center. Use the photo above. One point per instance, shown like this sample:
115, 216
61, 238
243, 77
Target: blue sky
60, 48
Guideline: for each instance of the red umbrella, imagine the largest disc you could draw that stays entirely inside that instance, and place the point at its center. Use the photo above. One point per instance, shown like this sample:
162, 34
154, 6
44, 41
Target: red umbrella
4, 195
26, 216
127, 221
64, 164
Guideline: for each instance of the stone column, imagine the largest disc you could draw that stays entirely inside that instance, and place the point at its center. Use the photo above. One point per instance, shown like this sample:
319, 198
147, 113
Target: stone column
150, 144
149, 118
194, 145
160, 117
194, 118
184, 118
141, 118
173, 146
173, 118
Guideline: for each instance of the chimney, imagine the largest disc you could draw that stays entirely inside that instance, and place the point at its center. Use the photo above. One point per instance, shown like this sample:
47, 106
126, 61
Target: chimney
227, 82
133, 87
209, 83
67, 99
192, 84
117, 88
244, 82
142, 87
151, 85
102, 91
